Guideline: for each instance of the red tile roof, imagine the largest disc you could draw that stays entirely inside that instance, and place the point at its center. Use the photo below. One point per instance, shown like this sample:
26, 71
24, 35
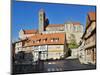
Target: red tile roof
62, 25
55, 25
30, 31
92, 16
76, 23
47, 38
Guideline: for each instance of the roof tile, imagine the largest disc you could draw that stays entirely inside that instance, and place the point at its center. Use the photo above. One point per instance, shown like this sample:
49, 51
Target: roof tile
30, 31
48, 37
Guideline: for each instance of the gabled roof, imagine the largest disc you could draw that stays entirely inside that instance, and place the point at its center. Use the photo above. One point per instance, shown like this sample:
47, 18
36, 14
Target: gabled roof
92, 16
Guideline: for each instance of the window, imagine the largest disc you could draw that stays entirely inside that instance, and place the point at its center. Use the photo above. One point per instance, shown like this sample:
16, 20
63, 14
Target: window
17, 48
36, 47
88, 52
40, 15
33, 41
44, 40
54, 39
40, 19
74, 29
38, 40
17, 44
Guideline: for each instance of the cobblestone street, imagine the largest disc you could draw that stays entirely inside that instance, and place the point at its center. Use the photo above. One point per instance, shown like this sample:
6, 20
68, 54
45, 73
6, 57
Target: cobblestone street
53, 66
66, 65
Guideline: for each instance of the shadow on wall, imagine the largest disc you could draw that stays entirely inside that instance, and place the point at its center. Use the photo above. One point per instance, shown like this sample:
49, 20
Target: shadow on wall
69, 52
22, 57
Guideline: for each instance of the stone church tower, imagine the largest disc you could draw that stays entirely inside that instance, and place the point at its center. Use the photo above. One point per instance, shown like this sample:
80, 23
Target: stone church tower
41, 20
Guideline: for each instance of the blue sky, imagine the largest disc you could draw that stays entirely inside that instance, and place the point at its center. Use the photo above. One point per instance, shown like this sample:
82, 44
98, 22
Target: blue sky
25, 14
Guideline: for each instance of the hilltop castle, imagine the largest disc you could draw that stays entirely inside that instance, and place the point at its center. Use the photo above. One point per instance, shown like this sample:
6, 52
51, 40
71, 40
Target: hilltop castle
71, 29
50, 41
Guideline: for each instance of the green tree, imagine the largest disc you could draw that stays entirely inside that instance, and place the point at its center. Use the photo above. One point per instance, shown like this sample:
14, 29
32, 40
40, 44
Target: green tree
73, 43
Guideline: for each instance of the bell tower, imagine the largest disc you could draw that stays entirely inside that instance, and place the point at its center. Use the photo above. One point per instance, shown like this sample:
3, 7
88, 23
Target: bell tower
41, 20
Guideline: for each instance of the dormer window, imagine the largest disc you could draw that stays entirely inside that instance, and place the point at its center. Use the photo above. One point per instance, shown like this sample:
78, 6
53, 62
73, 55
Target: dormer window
33, 41
44, 40
38, 40
52, 40
55, 39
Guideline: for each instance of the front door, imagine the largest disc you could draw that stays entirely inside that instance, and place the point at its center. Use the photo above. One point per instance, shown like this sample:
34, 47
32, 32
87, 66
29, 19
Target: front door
43, 55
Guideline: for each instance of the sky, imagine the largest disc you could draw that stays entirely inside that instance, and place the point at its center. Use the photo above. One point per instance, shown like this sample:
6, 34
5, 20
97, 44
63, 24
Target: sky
25, 14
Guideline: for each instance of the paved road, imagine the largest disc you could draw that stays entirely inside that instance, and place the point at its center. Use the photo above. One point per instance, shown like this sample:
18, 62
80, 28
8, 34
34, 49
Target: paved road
66, 65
